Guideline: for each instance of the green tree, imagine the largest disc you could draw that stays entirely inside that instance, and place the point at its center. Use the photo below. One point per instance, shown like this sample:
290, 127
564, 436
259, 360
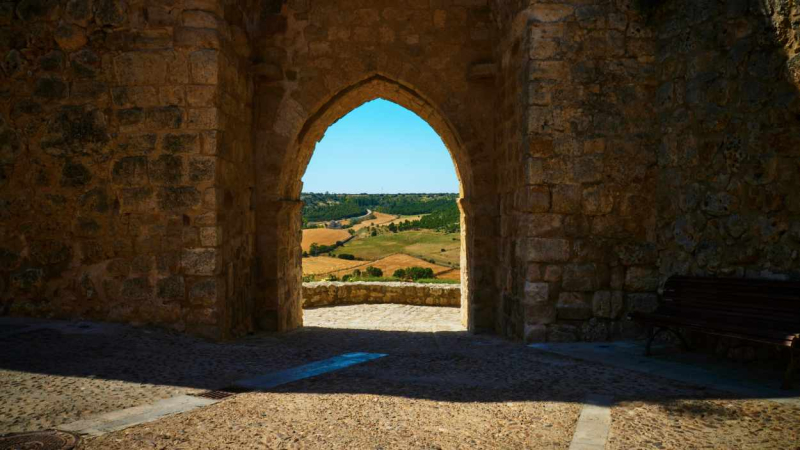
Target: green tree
399, 273
374, 272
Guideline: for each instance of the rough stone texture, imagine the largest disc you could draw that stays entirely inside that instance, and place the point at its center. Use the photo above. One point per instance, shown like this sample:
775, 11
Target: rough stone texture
729, 179
601, 147
324, 293
578, 163
104, 191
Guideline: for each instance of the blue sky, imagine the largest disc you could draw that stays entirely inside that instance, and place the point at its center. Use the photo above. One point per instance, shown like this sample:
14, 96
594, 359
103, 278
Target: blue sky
380, 148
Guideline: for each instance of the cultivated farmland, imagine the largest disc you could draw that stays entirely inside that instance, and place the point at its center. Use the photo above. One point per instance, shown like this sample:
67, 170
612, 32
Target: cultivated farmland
380, 219
323, 236
423, 244
316, 265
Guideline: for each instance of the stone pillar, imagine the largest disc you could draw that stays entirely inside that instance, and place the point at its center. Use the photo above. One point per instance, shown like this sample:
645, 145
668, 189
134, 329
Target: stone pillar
278, 286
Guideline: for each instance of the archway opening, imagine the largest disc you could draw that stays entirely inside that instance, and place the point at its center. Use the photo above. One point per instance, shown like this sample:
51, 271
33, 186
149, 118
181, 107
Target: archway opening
280, 214
381, 223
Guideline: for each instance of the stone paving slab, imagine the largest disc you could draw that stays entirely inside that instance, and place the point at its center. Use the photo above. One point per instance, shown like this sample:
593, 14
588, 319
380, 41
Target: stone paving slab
119, 420
629, 355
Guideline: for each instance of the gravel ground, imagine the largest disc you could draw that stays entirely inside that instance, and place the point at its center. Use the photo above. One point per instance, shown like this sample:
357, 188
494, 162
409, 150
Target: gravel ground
704, 423
444, 389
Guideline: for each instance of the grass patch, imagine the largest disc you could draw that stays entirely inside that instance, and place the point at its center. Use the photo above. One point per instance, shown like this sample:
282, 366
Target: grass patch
423, 244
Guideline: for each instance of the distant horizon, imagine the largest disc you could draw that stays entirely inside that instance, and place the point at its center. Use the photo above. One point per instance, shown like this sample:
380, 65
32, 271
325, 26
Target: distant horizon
381, 148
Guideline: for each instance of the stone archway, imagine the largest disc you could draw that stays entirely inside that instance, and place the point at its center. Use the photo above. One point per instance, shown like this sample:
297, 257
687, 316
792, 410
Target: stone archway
283, 311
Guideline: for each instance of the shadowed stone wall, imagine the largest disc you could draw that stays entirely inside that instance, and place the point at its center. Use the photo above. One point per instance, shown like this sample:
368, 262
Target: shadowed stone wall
729, 156
120, 181
151, 151
326, 293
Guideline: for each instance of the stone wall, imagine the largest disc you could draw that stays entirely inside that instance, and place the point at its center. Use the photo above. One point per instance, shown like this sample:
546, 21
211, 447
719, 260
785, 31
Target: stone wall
315, 62
729, 156
112, 155
325, 293
578, 216
152, 151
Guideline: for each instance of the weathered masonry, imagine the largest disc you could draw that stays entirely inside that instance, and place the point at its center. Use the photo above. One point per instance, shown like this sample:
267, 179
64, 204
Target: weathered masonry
151, 151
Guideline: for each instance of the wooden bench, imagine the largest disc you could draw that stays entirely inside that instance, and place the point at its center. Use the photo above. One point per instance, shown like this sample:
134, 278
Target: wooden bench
765, 311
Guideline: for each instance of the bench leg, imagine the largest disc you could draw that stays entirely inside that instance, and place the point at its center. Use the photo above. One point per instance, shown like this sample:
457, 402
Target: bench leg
684, 341
788, 377
651, 334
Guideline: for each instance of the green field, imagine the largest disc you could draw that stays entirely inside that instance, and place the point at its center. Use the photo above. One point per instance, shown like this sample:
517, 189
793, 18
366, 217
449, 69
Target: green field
423, 244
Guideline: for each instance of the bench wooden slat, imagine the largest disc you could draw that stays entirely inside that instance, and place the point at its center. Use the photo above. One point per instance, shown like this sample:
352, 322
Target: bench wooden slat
766, 311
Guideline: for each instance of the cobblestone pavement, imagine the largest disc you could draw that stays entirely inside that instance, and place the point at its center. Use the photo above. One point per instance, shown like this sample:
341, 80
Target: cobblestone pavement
385, 317
445, 389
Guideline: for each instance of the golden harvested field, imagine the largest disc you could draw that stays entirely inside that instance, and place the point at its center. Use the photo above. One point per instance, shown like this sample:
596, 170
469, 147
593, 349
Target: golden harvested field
454, 274
397, 261
323, 236
323, 264
380, 219
403, 219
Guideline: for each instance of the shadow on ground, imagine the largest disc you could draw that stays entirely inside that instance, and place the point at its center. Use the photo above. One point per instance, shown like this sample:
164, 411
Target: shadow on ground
443, 366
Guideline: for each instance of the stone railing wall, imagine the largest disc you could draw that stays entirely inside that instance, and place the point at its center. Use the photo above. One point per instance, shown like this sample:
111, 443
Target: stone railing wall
325, 293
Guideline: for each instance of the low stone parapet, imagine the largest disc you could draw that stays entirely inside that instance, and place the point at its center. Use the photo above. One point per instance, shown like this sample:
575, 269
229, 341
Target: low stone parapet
327, 293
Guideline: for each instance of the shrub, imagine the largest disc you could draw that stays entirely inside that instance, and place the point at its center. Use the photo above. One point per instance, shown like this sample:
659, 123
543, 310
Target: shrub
332, 278
399, 273
374, 272
418, 273
346, 256
357, 273
346, 278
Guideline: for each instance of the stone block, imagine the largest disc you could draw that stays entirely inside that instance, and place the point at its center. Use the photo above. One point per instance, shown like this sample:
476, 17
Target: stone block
134, 96
641, 279
178, 199
51, 87
204, 66
167, 169
130, 171
196, 37
563, 333
536, 293
549, 70
201, 262
580, 277
202, 168
181, 143
573, 306
136, 289
210, 236
588, 169
200, 19
539, 313
70, 37
171, 288
205, 292
566, 199
597, 200
543, 250
164, 118
203, 119
546, 12
541, 225
608, 304
535, 333
75, 175
533, 199
642, 302
201, 95
553, 274
141, 68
